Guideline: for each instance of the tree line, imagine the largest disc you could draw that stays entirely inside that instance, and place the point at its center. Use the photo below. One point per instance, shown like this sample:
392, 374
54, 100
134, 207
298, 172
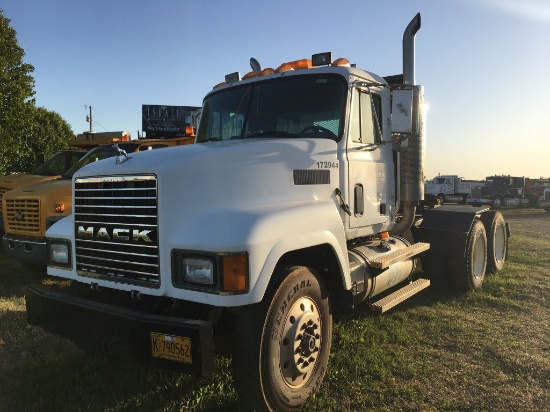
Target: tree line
28, 134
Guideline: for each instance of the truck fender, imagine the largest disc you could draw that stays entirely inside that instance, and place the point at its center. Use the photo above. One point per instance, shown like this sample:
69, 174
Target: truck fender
325, 228
446, 229
295, 244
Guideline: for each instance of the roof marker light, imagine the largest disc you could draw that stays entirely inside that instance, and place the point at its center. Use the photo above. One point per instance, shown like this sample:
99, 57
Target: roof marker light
250, 75
295, 65
341, 62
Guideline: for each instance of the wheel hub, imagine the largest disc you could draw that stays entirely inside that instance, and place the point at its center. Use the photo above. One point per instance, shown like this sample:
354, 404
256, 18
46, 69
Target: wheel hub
301, 342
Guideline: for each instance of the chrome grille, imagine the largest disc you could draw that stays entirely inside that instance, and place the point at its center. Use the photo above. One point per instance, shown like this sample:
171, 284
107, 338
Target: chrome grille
23, 215
116, 228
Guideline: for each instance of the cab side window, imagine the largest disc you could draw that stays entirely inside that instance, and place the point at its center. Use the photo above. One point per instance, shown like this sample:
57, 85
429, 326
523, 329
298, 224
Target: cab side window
366, 123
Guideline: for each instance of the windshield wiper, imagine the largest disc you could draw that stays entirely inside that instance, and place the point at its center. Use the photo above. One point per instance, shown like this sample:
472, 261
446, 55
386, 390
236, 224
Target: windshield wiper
270, 133
212, 139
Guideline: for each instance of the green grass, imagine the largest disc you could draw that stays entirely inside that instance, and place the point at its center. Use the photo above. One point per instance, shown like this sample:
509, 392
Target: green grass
487, 350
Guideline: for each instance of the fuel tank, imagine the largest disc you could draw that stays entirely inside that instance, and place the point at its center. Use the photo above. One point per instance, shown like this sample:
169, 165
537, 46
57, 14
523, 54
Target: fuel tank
369, 281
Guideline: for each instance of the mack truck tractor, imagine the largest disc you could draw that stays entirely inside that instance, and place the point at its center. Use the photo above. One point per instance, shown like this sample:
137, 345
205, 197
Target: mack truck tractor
298, 196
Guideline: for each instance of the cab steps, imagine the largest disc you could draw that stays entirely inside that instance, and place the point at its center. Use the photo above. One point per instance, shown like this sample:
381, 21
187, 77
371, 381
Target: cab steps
400, 295
383, 262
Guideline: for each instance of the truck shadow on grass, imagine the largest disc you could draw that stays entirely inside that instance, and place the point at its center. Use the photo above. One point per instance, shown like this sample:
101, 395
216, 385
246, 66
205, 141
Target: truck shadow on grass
89, 383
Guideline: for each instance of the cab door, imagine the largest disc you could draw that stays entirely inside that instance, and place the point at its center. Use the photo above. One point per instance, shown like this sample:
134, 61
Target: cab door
366, 168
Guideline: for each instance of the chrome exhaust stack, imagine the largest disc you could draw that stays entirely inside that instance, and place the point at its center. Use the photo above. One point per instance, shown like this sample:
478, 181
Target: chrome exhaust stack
409, 50
411, 152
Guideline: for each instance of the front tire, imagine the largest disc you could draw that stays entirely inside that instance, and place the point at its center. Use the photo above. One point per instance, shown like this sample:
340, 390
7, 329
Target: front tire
282, 345
468, 272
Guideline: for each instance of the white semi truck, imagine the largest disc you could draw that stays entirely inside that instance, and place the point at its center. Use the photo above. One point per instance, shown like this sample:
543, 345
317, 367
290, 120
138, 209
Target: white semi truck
299, 195
450, 188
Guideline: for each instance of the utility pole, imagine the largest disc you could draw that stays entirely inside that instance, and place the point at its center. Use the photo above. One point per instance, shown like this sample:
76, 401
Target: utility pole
89, 118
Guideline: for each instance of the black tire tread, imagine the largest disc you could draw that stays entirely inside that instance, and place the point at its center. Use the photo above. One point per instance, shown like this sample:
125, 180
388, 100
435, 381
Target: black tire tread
248, 341
461, 268
492, 220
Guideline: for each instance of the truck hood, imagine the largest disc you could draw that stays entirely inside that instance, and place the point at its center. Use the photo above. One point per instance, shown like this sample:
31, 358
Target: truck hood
37, 190
197, 184
49, 192
22, 179
225, 171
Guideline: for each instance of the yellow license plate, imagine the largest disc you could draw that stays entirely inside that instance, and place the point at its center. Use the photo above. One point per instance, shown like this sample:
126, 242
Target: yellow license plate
176, 348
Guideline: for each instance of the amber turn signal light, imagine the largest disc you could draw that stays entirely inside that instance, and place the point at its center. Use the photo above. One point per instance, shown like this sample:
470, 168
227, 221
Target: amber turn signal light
234, 269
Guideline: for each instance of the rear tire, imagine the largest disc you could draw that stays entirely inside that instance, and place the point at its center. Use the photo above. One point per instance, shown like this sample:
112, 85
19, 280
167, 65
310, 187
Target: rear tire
497, 241
468, 272
282, 345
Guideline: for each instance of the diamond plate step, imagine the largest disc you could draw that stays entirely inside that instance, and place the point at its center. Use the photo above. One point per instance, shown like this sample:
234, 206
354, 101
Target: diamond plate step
399, 296
385, 261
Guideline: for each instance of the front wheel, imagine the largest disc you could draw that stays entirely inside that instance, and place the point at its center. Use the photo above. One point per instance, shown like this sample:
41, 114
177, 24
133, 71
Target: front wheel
282, 345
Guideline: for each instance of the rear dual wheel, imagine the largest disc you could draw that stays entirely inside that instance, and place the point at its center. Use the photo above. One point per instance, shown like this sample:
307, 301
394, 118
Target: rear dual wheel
497, 240
282, 345
468, 272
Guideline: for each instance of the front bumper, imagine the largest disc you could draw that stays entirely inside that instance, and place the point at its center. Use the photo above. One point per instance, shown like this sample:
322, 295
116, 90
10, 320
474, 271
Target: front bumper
118, 330
26, 249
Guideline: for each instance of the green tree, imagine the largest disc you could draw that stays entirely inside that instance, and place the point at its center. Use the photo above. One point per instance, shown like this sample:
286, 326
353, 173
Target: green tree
28, 133
48, 134
16, 96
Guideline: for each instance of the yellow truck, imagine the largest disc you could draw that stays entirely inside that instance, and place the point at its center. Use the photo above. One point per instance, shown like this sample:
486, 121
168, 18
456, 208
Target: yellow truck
55, 166
29, 211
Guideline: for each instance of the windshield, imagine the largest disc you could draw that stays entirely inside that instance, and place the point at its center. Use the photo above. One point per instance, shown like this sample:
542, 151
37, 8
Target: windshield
59, 163
99, 153
438, 181
294, 106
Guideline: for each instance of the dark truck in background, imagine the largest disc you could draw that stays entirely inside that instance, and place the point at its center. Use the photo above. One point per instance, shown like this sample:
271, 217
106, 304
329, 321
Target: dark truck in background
499, 191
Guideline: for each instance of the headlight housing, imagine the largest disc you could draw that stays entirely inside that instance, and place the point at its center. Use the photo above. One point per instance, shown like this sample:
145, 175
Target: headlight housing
223, 274
59, 253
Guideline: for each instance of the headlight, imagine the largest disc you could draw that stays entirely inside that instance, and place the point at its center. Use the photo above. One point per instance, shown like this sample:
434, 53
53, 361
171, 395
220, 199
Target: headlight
198, 270
59, 253
220, 273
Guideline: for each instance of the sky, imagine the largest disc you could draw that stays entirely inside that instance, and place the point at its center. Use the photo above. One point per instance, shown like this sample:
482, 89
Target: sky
483, 63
